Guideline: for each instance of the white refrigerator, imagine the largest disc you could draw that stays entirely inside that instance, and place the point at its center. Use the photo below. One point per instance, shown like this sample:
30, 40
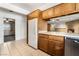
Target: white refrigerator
33, 33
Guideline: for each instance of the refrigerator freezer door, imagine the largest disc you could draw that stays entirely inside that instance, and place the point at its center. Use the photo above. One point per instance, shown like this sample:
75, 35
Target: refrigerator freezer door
32, 32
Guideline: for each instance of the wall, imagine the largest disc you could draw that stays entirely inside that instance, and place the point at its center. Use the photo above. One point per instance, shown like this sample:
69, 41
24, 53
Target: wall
1, 31
74, 25
20, 24
60, 27
7, 29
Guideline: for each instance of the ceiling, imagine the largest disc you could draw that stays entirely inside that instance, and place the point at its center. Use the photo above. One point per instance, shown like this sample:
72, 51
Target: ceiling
34, 6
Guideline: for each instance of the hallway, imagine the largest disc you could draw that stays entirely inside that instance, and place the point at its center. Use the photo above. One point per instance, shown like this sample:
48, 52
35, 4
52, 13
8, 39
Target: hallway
19, 48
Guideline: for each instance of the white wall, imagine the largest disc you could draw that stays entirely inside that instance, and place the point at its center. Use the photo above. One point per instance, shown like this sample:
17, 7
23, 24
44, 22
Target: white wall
20, 24
1, 31
60, 25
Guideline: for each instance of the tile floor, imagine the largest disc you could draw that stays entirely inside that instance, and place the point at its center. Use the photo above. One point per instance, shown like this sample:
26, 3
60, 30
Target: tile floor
19, 48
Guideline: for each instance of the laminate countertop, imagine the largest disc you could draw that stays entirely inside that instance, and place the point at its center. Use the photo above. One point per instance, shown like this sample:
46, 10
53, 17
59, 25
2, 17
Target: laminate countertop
60, 34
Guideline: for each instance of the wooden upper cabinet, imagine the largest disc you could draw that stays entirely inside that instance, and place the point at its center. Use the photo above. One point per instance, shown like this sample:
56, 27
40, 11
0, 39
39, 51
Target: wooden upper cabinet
45, 14
68, 8
77, 7
64, 9
34, 14
49, 13
57, 10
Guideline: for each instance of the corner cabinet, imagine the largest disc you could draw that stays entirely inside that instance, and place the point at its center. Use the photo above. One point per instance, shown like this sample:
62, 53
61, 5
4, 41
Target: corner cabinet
53, 45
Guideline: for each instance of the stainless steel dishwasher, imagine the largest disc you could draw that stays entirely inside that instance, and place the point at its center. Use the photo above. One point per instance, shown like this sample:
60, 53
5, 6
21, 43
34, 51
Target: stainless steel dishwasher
71, 46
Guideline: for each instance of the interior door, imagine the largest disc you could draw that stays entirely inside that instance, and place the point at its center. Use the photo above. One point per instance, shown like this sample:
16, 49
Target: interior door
32, 32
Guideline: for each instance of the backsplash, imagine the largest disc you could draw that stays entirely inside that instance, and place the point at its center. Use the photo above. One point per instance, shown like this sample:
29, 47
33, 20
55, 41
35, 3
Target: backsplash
74, 25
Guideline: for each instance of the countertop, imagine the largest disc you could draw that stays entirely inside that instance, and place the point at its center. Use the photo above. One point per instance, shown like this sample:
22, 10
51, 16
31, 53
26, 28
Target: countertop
60, 34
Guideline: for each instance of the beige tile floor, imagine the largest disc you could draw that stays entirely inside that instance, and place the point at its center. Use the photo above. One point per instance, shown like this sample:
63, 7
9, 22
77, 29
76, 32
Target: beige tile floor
19, 48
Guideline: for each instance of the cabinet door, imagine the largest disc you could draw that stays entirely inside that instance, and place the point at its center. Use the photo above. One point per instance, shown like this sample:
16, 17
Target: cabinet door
56, 45
68, 8
43, 44
59, 48
51, 46
59, 45
77, 7
50, 12
45, 14
64, 9
57, 10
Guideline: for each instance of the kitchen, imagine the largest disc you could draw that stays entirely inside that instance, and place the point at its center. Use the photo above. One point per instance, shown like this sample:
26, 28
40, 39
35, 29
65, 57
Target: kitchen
55, 30
48, 29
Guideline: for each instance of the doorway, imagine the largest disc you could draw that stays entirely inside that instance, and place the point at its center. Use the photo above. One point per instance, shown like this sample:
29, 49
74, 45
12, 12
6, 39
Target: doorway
9, 29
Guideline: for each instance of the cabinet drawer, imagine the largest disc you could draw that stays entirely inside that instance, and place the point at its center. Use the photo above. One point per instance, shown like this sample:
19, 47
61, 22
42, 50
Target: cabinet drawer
59, 43
51, 37
43, 35
57, 38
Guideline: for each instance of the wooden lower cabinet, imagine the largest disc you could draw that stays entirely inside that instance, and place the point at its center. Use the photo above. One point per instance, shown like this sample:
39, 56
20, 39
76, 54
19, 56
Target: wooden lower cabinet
56, 45
53, 45
57, 49
43, 42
